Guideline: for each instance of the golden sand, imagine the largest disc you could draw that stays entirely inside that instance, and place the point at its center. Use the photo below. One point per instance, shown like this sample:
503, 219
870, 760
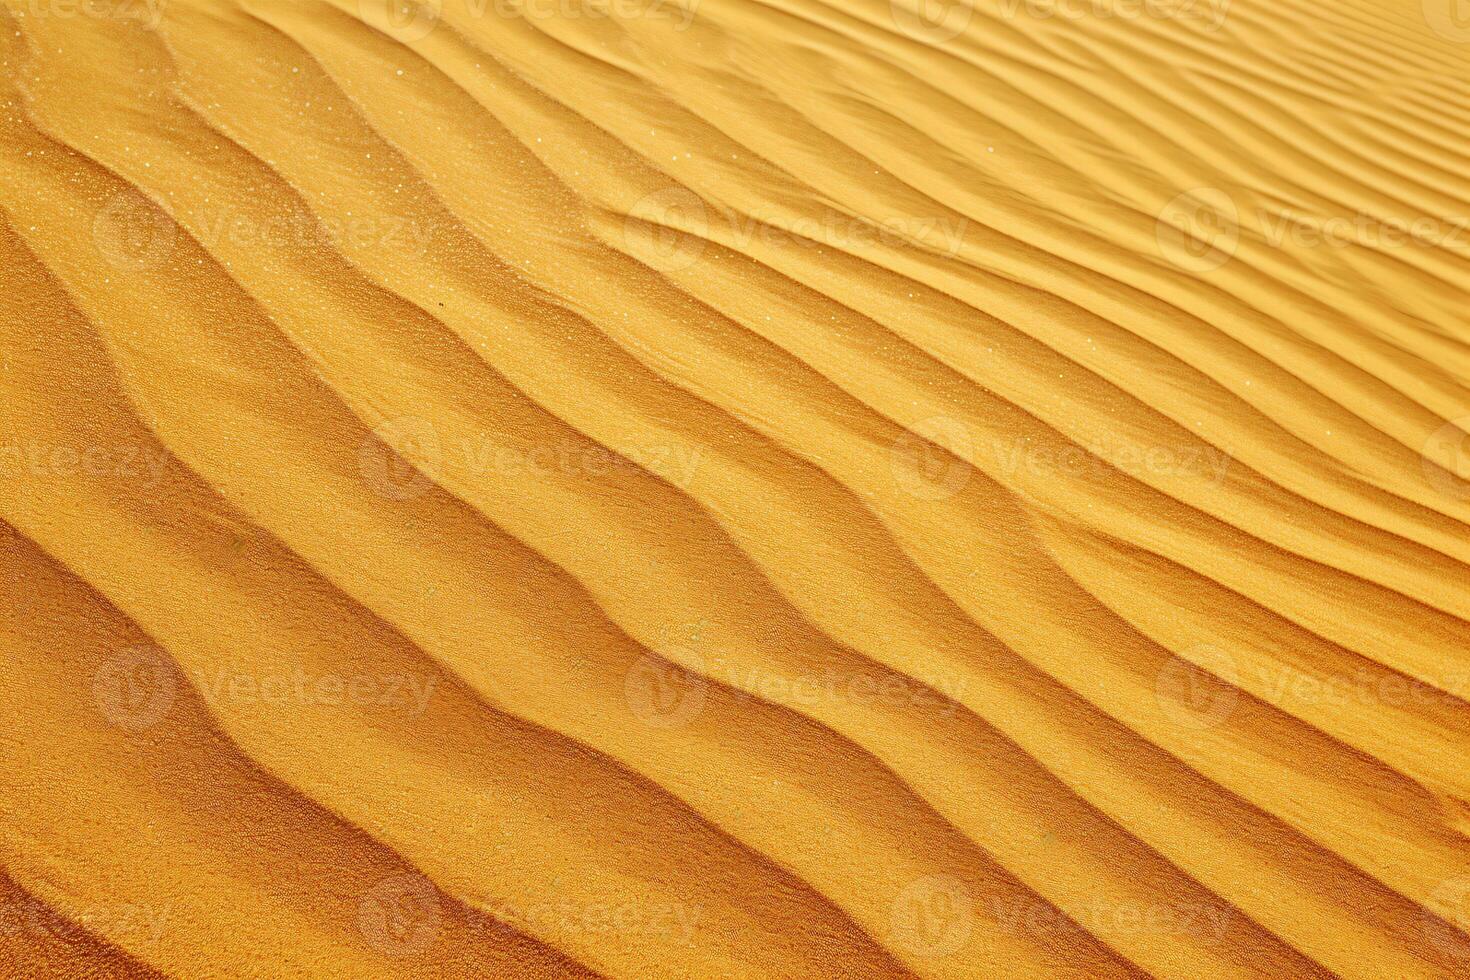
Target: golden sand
734, 488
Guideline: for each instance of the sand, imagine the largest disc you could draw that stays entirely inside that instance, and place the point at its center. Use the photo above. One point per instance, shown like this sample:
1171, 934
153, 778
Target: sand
735, 488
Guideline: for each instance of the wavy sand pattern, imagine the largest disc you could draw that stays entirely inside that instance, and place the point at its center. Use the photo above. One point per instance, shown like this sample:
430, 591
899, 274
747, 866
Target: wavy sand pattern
734, 488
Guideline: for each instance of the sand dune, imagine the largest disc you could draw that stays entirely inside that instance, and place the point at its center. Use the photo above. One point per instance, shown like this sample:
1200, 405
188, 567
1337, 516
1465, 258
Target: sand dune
734, 488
